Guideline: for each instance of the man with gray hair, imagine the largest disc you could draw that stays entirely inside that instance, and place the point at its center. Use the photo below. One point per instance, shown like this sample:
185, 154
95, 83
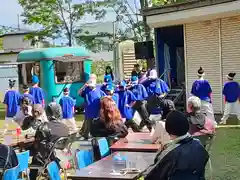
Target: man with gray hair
200, 124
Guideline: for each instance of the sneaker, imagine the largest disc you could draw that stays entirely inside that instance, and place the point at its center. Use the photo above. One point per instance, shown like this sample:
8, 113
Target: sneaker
223, 122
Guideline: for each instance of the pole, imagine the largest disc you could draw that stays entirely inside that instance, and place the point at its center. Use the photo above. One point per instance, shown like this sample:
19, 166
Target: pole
18, 19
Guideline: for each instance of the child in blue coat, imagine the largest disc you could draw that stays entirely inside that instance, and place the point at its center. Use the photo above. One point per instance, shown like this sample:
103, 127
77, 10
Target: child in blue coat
11, 101
110, 92
67, 103
231, 92
141, 94
37, 92
126, 102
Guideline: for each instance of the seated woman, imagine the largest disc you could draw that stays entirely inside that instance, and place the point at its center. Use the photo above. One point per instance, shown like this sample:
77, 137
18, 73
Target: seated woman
159, 134
182, 159
199, 123
110, 122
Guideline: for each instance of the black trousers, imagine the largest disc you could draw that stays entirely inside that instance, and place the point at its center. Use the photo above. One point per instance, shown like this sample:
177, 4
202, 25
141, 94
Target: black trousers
140, 107
85, 130
131, 124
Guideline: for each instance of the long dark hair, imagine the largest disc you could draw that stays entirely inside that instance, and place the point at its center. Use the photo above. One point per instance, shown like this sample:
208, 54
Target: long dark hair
111, 72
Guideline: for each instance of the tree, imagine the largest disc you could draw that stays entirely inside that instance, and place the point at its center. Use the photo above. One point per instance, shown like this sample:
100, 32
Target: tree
98, 68
163, 2
4, 30
59, 18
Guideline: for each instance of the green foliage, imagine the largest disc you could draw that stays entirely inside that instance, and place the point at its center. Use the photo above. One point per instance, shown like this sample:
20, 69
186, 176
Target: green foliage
164, 2
131, 18
91, 41
3, 30
1, 43
98, 68
59, 18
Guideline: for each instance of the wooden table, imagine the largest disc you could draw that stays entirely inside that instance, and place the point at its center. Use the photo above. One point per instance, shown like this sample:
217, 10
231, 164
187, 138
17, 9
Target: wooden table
13, 141
102, 169
135, 142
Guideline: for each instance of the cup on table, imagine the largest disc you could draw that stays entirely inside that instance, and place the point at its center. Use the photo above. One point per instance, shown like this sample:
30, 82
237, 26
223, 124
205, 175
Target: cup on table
18, 131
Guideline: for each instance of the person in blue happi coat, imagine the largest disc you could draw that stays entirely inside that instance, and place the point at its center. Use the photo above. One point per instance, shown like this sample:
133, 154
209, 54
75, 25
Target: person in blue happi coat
37, 92
141, 95
231, 92
157, 89
11, 101
126, 102
107, 80
109, 73
67, 104
92, 96
202, 89
110, 92
26, 94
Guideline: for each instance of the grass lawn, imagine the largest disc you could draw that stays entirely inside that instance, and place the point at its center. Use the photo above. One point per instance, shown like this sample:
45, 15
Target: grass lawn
225, 153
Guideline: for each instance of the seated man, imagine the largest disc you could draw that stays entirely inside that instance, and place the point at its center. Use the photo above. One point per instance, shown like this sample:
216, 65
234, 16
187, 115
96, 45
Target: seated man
182, 159
46, 134
199, 123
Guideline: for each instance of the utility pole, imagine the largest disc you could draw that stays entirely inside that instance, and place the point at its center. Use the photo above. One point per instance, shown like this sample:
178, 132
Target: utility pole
18, 19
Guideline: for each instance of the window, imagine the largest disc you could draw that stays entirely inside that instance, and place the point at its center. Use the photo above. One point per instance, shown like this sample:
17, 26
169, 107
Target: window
69, 72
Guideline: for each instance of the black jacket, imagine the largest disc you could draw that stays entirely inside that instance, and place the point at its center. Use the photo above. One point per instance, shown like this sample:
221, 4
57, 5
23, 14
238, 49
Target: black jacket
186, 161
99, 129
12, 157
46, 134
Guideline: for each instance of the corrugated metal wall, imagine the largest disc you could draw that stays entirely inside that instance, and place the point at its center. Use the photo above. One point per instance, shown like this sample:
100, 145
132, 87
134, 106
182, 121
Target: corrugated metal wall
128, 62
7, 72
230, 40
202, 49
214, 45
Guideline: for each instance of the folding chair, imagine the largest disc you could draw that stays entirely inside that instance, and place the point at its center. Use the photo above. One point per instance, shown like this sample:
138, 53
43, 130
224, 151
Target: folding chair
11, 174
100, 148
23, 159
53, 171
84, 158
60, 144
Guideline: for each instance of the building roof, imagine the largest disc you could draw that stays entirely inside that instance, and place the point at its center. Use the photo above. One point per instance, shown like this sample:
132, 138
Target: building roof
52, 53
15, 33
191, 11
189, 4
2, 52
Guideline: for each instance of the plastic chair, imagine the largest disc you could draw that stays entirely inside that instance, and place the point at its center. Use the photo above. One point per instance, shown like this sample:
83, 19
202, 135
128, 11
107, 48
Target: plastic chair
23, 159
84, 158
53, 171
11, 174
103, 147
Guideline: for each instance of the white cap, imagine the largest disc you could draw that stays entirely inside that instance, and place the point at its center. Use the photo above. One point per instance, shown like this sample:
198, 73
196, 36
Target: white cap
91, 83
153, 74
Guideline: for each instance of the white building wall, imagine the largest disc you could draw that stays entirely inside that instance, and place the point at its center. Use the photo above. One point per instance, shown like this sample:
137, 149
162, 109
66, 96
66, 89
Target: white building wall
8, 58
15, 42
